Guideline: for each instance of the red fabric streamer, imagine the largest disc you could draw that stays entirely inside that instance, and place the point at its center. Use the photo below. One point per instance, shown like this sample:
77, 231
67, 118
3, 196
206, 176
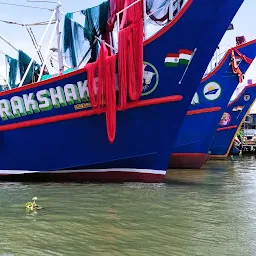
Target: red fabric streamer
115, 6
130, 65
235, 68
130, 54
111, 98
103, 96
246, 59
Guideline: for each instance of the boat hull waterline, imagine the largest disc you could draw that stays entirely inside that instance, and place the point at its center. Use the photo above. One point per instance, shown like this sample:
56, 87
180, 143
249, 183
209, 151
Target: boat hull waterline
200, 124
232, 119
50, 127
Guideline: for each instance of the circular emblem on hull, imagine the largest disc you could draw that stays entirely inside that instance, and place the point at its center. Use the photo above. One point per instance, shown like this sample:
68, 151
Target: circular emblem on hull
150, 79
212, 91
247, 97
226, 119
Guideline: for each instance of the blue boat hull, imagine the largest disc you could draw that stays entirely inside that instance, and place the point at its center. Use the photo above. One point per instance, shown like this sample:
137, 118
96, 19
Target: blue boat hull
201, 122
226, 132
71, 141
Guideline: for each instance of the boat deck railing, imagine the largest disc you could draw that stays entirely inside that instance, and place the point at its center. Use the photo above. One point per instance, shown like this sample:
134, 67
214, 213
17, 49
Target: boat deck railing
215, 61
175, 7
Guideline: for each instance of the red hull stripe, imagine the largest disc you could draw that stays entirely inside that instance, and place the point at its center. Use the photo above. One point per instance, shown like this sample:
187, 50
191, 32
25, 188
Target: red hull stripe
185, 51
172, 55
58, 118
107, 175
227, 128
204, 110
187, 160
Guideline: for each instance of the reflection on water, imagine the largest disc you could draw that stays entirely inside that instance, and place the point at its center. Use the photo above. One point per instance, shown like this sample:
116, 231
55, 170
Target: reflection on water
196, 212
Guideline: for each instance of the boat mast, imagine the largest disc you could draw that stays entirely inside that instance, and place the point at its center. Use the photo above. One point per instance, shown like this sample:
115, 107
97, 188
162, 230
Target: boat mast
37, 49
60, 56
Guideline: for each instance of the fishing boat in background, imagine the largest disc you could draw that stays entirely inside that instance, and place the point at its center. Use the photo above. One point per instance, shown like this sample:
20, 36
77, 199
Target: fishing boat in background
231, 122
212, 96
116, 118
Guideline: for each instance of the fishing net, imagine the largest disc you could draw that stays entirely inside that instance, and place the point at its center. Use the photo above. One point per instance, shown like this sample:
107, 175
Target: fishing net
95, 26
12, 71
34, 70
72, 41
16, 69
79, 42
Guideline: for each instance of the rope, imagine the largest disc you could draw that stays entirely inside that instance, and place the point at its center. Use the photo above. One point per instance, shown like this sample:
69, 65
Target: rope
246, 59
235, 67
43, 23
26, 6
236, 70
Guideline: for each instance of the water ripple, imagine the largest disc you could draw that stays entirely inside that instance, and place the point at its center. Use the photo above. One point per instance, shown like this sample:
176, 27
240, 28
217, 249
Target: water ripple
197, 212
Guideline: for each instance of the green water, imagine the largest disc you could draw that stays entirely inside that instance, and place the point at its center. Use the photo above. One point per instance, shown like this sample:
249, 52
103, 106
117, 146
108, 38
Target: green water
206, 212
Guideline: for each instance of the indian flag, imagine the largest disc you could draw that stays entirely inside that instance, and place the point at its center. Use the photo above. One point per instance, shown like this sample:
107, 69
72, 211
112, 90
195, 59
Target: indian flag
173, 60
238, 108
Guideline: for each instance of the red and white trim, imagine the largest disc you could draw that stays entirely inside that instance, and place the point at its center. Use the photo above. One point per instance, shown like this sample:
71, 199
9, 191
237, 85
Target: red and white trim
112, 170
108, 175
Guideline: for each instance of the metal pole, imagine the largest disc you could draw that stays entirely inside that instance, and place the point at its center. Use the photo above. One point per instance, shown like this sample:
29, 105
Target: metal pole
8, 42
6, 74
46, 52
58, 62
144, 18
216, 57
118, 21
118, 13
171, 11
60, 57
38, 48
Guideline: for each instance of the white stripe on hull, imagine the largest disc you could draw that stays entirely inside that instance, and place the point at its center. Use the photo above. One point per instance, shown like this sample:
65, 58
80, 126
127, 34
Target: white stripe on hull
148, 171
184, 56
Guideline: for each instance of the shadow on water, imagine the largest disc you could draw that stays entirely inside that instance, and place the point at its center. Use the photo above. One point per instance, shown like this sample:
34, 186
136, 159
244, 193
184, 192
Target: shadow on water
212, 173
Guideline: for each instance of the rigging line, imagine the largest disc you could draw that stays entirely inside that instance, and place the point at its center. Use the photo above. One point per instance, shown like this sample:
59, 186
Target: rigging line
34, 43
43, 23
33, 36
38, 1
1, 52
27, 6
